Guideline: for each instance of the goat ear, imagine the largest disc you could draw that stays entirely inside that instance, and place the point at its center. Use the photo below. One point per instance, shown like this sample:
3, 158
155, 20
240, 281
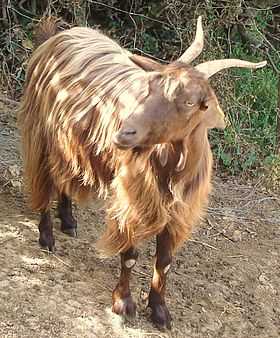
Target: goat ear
163, 155
147, 64
183, 157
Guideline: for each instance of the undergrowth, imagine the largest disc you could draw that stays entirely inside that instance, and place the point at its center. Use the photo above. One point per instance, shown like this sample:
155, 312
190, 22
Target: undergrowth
164, 29
249, 142
248, 146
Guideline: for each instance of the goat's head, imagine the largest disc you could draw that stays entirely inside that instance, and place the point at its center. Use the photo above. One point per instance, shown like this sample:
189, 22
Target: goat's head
180, 98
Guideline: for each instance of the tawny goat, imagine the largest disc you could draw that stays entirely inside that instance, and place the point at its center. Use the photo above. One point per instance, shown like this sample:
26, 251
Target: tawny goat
99, 120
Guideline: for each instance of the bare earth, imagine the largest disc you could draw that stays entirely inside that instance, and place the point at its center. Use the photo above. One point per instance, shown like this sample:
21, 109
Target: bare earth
224, 282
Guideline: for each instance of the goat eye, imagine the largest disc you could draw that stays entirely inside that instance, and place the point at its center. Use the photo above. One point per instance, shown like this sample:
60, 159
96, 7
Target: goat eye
189, 103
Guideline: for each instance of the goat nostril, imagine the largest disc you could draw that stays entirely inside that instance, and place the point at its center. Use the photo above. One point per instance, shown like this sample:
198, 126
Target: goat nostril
125, 138
129, 131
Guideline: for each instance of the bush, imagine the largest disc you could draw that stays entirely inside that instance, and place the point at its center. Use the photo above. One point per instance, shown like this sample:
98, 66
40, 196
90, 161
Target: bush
164, 29
249, 144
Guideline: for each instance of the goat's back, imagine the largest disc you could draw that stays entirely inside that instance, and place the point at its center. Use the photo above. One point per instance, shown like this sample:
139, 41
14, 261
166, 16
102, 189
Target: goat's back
76, 93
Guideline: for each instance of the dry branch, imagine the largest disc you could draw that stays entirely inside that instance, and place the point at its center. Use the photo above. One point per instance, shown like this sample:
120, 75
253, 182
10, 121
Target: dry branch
8, 101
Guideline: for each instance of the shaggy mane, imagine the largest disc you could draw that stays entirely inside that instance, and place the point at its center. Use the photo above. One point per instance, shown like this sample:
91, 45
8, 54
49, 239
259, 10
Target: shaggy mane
88, 85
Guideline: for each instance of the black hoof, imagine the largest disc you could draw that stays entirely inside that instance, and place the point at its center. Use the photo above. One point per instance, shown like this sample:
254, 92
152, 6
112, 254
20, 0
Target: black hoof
69, 226
47, 242
72, 232
124, 307
160, 316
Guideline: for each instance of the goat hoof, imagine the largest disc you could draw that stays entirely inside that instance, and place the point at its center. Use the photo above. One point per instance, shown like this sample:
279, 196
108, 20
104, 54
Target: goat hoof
47, 242
72, 232
69, 226
160, 316
124, 307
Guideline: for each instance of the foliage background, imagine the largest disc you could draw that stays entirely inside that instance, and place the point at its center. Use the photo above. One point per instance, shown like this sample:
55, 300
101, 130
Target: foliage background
163, 29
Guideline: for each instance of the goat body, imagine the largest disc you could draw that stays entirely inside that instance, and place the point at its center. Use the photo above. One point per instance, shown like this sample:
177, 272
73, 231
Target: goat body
80, 86
97, 120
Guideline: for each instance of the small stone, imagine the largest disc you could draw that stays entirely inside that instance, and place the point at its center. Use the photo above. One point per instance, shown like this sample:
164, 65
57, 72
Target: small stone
16, 184
144, 295
14, 170
263, 279
4, 284
237, 236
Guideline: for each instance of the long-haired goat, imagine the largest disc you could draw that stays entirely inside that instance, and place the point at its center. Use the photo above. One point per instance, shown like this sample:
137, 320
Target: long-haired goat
96, 119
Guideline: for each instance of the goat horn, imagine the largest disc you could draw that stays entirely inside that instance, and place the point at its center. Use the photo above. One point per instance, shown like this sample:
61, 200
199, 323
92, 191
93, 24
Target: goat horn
196, 47
210, 68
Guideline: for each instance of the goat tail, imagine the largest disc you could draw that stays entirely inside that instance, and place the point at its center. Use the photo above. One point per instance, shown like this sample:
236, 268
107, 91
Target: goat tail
47, 27
38, 180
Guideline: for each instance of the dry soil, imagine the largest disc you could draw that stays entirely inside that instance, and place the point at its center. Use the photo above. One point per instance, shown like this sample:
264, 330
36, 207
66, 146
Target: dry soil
223, 283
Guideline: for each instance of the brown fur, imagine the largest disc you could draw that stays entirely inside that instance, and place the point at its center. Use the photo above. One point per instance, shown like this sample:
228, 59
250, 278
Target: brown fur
71, 108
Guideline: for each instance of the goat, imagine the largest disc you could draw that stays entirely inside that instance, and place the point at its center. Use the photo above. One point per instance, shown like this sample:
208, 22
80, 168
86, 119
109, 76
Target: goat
97, 120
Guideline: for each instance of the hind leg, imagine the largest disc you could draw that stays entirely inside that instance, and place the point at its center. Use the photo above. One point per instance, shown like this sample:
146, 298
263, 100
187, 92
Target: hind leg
68, 222
46, 237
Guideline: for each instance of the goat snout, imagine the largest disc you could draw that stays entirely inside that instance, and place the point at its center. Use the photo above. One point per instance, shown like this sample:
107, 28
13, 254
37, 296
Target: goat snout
128, 131
125, 138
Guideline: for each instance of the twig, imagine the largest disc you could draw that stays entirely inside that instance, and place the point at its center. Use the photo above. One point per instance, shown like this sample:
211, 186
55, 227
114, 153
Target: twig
20, 5
204, 244
59, 259
272, 36
277, 71
135, 31
264, 37
9, 101
141, 273
236, 256
23, 15
7, 240
129, 13
153, 334
264, 9
259, 200
238, 218
150, 55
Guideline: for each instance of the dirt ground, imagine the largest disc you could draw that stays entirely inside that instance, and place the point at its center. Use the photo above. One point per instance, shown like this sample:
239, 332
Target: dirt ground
223, 283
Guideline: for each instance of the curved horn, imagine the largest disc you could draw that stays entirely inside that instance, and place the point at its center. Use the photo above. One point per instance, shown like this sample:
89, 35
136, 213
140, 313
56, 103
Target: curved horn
212, 67
196, 47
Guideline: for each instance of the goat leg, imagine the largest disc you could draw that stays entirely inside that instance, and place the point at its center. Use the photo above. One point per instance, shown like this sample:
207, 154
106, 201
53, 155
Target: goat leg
68, 222
46, 237
123, 303
160, 315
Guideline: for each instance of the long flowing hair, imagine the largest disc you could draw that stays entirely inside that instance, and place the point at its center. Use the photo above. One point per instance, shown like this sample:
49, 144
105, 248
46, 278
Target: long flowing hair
80, 85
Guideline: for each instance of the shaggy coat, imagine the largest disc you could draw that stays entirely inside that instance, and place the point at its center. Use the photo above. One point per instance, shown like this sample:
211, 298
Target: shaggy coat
97, 120
80, 86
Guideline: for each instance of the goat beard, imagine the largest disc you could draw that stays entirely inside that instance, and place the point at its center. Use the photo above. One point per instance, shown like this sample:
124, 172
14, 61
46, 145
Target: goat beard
163, 153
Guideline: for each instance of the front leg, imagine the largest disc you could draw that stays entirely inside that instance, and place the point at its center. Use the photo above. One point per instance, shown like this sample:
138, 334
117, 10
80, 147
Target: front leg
123, 303
160, 315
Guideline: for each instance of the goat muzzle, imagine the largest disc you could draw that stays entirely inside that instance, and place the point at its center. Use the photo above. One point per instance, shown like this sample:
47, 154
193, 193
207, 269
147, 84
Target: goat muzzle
125, 138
